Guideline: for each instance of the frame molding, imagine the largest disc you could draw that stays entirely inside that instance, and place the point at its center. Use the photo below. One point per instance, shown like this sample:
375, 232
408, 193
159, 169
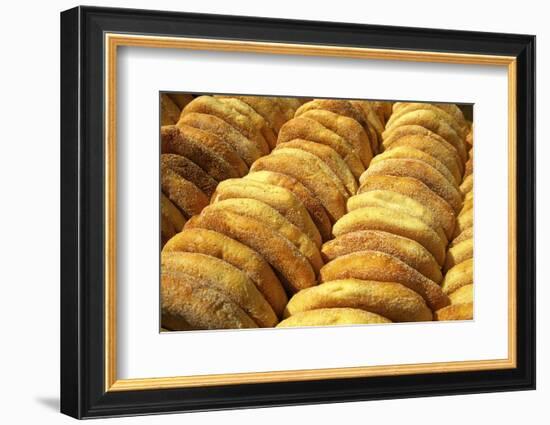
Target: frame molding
113, 41
90, 38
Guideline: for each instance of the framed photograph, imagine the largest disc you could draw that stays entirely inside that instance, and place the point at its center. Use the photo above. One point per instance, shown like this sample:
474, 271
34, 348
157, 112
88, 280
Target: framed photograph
261, 212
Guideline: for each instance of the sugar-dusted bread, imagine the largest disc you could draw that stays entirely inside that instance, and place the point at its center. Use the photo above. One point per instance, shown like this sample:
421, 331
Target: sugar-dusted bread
269, 216
387, 299
225, 278
291, 265
421, 171
279, 198
187, 303
314, 207
464, 311
329, 157
190, 171
347, 128
398, 202
392, 221
310, 129
245, 148
416, 190
460, 275
189, 199
213, 106
382, 267
405, 249
217, 245
310, 175
332, 317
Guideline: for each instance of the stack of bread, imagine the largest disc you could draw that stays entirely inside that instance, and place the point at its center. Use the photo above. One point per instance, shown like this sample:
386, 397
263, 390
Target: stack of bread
208, 140
324, 148
459, 263
388, 256
290, 213
258, 242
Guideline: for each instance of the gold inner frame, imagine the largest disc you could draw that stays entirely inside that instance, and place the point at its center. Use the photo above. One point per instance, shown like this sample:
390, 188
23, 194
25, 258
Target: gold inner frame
113, 41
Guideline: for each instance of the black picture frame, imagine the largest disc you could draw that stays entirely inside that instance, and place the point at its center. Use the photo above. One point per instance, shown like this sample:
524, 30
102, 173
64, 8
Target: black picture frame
82, 212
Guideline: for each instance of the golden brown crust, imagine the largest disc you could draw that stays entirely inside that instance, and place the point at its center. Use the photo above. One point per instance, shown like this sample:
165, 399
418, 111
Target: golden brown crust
246, 149
279, 198
344, 108
332, 317
465, 234
388, 299
408, 152
432, 121
293, 268
464, 294
302, 156
407, 250
370, 114
329, 157
172, 220
456, 312
217, 145
270, 217
418, 130
347, 128
267, 107
469, 168
398, 202
416, 190
338, 106
453, 110
316, 211
470, 136
225, 278
374, 124
383, 109
217, 245
310, 176
464, 221
420, 171
310, 129
169, 111
187, 303
212, 106
396, 222
382, 267
467, 185
188, 170
174, 141
288, 105
444, 152
458, 253
256, 119
189, 199
460, 275
467, 205
440, 112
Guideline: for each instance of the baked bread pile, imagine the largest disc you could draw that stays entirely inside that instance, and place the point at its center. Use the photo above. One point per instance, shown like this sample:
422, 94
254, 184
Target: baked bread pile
459, 263
313, 213
389, 252
209, 140
324, 148
259, 239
